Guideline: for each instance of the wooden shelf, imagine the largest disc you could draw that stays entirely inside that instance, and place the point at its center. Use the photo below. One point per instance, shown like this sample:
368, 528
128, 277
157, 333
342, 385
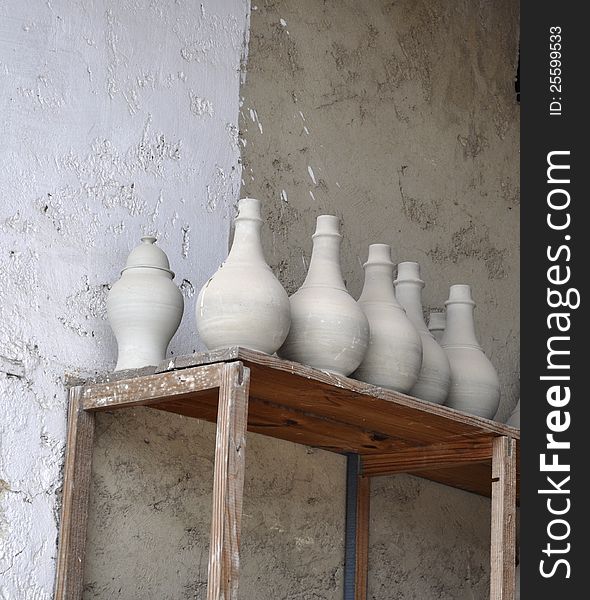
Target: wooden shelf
387, 431
393, 432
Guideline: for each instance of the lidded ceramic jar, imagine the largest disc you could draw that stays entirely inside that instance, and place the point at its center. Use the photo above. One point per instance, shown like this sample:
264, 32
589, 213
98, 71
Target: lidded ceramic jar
243, 303
144, 307
434, 378
436, 324
394, 356
328, 329
514, 418
475, 387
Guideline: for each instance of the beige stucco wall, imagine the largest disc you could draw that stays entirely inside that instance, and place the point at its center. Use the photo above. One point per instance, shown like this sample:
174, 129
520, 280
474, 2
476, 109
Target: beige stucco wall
401, 118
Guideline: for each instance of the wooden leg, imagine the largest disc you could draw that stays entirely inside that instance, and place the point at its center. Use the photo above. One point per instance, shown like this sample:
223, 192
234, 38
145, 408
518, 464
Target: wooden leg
357, 530
228, 482
503, 549
74, 507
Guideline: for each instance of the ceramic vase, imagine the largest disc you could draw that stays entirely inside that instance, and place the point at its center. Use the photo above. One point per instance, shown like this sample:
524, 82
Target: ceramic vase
394, 356
514, 418
434, 378
329, 331
144, 307
244, 304
436, 324
475, 387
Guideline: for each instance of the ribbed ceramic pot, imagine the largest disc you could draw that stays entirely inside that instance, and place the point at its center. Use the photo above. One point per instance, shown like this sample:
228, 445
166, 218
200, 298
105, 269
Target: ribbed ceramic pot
475, 387
328, 329
144, 307
434, 378
514, 418
394, 357
436, 325
244, 304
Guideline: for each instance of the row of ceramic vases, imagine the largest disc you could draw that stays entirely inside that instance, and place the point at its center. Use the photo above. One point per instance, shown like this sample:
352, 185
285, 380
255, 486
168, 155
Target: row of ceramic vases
382, 339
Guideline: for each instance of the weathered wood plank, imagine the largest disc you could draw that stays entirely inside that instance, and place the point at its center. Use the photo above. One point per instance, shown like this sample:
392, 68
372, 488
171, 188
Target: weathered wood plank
339, 397
297, 403
359, 387
362, 538
170, 364
150, 389
199, 358
74, 506
448, 454
274, 420
355, 402
503, 544
469, 477
228, 483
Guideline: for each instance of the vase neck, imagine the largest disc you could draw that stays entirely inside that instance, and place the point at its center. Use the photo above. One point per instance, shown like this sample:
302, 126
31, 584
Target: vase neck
460, 326
409, 295
247, 244
378, 285
324, 268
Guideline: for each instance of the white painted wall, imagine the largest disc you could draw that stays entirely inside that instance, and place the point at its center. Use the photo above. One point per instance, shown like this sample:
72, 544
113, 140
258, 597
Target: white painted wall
117, 118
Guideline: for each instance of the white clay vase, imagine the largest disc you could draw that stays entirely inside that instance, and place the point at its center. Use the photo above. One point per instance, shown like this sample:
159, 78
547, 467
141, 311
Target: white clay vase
328, 329
436, 324
243, 303
394, 356
434, 378
514, 418
475, 387
144, 307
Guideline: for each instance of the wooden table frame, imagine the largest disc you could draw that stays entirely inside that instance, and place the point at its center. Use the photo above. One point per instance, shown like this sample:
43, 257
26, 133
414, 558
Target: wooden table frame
381, 431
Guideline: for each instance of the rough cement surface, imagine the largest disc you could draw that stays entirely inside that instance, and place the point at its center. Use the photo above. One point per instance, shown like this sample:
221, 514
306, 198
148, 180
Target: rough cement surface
118, 118
151, 505
428, 541
401, 118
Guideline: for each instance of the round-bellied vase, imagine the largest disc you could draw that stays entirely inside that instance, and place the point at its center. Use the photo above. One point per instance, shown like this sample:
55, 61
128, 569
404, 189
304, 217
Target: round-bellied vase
514, 418
475, 387
144, 307
394, 356
434, 378
329, 331
243, 303
436, 324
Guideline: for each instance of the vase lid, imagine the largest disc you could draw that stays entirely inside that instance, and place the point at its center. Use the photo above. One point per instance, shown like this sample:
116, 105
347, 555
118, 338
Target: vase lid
147, 254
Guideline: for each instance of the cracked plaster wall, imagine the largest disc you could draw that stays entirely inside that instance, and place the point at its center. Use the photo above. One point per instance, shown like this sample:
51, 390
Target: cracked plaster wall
401, 118
118, 118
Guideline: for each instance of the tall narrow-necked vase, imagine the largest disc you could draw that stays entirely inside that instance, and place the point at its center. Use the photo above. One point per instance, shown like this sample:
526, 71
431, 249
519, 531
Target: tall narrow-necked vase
328, 331
434, 378
475, 387
144, 307
436, 324
394, 357
243, 303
